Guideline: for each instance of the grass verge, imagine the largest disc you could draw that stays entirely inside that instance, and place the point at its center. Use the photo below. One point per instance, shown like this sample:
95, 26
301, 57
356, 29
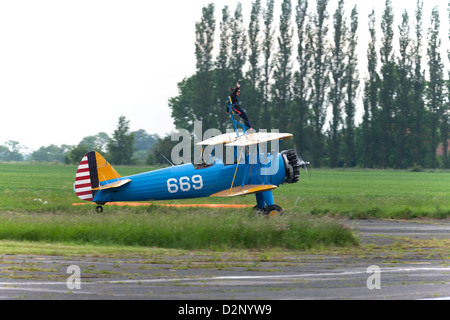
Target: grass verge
178, 228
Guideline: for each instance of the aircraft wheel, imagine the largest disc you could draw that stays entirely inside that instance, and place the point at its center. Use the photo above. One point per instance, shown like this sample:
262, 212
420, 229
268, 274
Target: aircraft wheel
258, 211
273, 211
99, 209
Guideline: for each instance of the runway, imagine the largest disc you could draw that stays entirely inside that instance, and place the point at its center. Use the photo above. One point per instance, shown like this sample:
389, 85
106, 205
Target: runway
396, 260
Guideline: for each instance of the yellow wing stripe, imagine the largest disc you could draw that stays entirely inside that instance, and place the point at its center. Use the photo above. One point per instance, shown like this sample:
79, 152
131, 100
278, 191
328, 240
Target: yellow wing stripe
242, 191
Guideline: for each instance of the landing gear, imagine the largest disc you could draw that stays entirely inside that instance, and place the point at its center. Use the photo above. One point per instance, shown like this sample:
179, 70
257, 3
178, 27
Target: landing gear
265, 205
99, 207
273, 211
268, 212
258, 211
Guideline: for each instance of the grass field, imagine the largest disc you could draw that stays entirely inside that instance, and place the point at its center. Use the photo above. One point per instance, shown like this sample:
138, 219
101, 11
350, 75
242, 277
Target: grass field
36, 205
371, 193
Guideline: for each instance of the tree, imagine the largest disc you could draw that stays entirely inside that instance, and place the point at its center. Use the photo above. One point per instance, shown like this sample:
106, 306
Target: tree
435, 90
77, 153
11, 151
283, 68
144, 141
121, 146
300, 90
252, 95
143, 144
418, 149
404, 118
336, 94
447, 110
370, 124
238, 44
202, 103
223, 71
387, 89
161, 150
183, 106
97, 142
352, 84
51, 153
403, 96
320, 77
267, 67
204, 31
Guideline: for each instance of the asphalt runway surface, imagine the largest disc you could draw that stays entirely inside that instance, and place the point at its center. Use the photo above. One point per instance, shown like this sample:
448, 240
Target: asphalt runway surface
395, 260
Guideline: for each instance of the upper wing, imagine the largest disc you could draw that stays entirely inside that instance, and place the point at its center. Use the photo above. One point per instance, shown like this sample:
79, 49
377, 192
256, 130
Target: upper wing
223, 138
231, 138
257, 137
241, 191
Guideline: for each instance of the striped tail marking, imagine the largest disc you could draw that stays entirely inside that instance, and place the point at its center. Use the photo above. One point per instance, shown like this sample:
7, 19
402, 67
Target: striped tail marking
86, 177
93, 171
82, 186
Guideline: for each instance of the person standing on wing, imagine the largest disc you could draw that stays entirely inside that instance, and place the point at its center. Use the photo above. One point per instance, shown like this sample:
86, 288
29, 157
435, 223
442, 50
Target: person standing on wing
236, 106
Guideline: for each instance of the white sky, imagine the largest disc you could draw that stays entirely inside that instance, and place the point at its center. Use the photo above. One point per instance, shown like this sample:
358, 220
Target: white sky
70, 69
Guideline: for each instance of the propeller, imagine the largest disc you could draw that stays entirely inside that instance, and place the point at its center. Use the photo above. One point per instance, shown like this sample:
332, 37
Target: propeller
303, 164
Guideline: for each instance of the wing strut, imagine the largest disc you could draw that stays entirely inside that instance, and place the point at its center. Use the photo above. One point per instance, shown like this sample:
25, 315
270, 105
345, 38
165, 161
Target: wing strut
237, 166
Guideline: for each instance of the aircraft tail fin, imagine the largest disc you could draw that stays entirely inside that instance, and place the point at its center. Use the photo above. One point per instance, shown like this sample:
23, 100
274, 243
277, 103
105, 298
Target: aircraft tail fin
93, 170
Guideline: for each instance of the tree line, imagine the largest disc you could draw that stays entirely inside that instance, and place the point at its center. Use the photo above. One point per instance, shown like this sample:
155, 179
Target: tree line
301, 75
124, 147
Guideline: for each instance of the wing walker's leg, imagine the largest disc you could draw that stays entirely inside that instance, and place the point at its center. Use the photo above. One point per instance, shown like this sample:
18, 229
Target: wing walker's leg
235, 123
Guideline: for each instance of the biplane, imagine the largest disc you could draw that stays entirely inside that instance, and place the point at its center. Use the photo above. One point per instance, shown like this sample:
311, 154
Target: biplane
252, 170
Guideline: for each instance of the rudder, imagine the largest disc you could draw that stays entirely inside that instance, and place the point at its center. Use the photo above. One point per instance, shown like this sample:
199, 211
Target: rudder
92, 171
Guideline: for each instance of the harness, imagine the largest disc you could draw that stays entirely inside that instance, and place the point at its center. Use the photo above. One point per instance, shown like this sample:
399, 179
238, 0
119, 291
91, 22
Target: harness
232, 107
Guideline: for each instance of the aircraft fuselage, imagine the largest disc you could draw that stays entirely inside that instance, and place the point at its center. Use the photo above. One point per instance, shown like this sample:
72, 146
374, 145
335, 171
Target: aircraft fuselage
186, 181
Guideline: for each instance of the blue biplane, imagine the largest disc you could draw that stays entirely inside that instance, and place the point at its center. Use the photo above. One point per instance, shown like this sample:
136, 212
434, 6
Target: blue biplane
97, 181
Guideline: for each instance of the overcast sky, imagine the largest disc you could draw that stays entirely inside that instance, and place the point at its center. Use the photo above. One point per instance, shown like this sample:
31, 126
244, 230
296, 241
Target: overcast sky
70, 69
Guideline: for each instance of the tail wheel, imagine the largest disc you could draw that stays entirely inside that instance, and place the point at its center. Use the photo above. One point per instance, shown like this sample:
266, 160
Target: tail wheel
273, 211
99, 209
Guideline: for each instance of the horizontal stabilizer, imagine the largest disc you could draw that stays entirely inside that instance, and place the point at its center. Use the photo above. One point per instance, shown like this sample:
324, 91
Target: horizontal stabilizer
115, 184
242, 191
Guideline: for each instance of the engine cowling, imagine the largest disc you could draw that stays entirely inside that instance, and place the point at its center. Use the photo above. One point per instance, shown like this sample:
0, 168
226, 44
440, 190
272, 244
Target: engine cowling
292, 165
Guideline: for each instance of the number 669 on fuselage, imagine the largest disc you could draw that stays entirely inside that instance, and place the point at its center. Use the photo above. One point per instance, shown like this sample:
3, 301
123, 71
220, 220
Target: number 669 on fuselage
97, 181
